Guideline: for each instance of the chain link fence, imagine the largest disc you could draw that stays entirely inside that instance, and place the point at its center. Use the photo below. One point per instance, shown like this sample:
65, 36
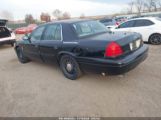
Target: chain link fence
14, 26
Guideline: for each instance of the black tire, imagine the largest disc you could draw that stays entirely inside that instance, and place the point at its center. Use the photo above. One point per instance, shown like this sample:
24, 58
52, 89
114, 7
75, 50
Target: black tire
21, 56
70, 67
155, 39
12, 44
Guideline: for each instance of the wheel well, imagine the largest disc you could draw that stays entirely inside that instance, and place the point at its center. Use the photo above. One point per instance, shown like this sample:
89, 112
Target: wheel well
152, 35
59, 57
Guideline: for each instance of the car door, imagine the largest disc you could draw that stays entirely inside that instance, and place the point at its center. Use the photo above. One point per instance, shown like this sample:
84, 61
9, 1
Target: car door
125, 27
31, 48
51, 42
143, 27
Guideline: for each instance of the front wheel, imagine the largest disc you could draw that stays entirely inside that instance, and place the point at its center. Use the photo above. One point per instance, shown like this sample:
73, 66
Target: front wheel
21, 56
12, 44
155, 39
70, 67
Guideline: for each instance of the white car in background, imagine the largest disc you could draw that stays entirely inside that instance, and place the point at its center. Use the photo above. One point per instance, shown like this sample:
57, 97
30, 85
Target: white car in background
149, 28
6, 35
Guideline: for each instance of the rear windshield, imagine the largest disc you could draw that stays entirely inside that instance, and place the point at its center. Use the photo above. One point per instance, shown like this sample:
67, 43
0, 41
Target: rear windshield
89, 28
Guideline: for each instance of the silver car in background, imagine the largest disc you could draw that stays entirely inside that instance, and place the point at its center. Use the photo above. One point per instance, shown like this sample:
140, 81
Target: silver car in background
6, 35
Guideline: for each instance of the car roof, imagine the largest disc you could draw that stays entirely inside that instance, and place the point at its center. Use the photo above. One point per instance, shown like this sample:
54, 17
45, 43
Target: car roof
142, 18
69, 21
106, 18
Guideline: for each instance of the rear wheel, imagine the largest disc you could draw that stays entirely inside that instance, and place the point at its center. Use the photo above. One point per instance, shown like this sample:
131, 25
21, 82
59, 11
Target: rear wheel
21, 56
70, 67
155, 39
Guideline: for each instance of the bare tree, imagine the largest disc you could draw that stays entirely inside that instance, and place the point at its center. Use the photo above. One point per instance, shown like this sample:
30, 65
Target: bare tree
57, 14
45, 17
159, 4
139, 4
66, 15
143, 6
155, 4
82, 16
6, 14
29, 19
151, 5
131, 7
148, 5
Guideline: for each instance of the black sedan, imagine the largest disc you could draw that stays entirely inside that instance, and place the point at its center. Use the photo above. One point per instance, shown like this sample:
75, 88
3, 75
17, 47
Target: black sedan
82, 44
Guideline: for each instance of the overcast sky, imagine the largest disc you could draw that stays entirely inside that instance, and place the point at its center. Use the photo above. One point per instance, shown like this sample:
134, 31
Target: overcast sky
75, 7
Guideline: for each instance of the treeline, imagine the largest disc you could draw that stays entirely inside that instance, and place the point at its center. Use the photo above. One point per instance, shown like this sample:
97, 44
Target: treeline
139, 6
46, 17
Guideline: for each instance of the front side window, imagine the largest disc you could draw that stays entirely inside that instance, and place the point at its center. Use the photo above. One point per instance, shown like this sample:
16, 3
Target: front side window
36, 35
127, 24
89, 28
53, 32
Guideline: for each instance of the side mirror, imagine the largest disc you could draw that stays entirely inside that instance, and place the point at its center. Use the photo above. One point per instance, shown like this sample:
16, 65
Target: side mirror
27, 37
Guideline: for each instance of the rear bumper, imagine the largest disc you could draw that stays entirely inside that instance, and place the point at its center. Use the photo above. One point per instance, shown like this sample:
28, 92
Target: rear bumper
20, 32
115, 67
7, 42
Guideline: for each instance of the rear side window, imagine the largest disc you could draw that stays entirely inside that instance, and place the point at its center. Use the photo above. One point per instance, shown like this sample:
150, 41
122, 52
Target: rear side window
53, 32
36, 35
140, 23
148, 23
127, 24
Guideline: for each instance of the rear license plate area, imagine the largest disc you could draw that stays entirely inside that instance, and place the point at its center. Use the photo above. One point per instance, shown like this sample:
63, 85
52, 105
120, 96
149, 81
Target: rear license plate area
135, 45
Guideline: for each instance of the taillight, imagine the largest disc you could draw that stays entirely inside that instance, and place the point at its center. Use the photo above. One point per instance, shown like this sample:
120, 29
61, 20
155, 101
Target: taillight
113, 50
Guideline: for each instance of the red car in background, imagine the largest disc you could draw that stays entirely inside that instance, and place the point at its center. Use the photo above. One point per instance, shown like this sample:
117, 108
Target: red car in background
26, 30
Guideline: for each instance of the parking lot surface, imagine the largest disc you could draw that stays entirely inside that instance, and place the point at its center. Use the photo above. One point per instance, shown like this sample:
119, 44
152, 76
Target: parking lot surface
36, 89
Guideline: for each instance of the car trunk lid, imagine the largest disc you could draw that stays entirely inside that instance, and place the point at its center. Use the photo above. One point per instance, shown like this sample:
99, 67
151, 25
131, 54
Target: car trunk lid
130, 42
3, 22
127, 41
4, 32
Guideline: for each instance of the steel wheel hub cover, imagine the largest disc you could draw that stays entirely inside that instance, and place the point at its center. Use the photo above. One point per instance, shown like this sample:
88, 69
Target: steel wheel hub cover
69, 67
